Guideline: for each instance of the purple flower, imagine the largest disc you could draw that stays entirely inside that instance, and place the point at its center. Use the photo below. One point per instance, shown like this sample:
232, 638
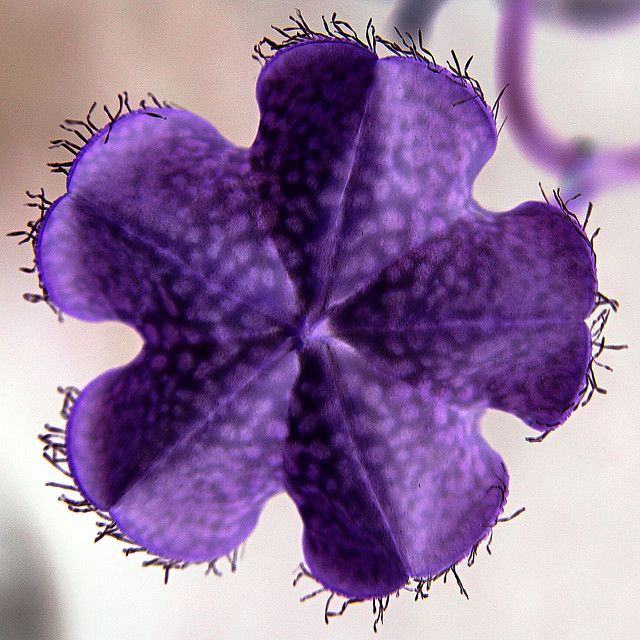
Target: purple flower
326, 313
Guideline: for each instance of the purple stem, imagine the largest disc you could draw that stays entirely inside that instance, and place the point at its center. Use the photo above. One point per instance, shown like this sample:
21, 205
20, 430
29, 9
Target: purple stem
582, 166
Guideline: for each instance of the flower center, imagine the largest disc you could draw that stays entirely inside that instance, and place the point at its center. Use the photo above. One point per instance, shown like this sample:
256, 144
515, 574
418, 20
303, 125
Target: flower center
307, 331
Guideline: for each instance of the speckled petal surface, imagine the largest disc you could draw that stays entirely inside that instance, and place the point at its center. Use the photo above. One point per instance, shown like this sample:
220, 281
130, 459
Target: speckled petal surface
359, 158
157, 231
328, 312
423, 139
182, 474
490, 311
203, 496
169, 190
312, 98
389, 484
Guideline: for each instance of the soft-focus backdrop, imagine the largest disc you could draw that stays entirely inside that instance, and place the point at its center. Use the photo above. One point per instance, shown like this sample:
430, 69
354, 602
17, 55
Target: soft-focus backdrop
567, 568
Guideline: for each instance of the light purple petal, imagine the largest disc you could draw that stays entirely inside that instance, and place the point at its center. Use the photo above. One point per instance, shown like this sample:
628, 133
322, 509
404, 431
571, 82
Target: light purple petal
490, 311
389, 484
157, 231
423, 140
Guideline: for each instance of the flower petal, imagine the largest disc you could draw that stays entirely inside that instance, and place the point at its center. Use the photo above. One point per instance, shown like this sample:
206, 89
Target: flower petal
181, 452
164, 199
389, 484
311, 97
422, 142
491, 311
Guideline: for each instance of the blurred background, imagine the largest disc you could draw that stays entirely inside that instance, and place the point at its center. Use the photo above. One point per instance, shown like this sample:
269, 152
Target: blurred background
567, 567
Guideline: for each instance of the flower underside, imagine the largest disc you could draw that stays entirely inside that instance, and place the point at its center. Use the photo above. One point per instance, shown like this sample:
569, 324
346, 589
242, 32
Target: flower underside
327, 313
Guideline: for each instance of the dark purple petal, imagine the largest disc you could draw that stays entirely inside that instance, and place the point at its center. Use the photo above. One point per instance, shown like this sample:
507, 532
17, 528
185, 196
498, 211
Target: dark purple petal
181, 452
492, 310
389, 484
165, 203
312, 98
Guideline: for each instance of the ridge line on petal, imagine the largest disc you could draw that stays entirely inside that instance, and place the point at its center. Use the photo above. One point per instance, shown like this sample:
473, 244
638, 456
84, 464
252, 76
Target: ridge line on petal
427, 325
401, 555
334, 244
269, 362
54, 451
128, 230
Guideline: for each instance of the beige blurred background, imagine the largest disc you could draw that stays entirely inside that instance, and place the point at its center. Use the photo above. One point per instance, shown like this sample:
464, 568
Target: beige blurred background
567, 568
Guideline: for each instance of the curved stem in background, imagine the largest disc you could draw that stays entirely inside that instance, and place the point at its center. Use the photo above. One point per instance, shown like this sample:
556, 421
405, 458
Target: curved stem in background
411, 15
513, 69
579, 163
